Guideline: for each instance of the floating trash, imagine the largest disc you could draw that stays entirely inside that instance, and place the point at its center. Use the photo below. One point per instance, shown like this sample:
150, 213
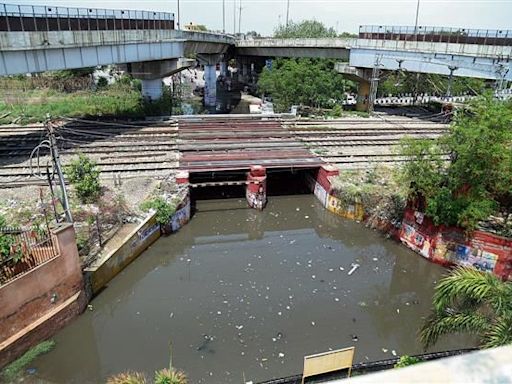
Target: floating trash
354, 267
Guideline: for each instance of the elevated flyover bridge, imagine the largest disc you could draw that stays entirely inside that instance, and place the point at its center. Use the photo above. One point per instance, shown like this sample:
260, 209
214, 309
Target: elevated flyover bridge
45, 38
485, 54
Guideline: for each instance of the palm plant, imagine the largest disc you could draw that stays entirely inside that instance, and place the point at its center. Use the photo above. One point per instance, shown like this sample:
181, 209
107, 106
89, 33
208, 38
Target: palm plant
170, 376
127, 378
470, 301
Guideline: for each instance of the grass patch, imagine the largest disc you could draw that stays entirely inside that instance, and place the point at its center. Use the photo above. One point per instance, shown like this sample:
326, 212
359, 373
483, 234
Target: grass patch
15, 369
32, 106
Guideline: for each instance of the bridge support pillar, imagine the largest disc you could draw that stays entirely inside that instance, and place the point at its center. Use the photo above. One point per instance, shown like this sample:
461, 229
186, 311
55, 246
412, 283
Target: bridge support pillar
223, 68
256, 192
210, 86
152, 89
363, 96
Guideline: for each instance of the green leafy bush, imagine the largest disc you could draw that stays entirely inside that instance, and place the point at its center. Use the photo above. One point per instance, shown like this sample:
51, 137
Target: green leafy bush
84, 175
6, 244
163, 209
406, 360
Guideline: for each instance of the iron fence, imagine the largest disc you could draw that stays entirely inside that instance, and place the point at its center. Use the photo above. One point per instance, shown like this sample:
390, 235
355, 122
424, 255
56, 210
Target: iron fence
26, 18
437, 34
21, 250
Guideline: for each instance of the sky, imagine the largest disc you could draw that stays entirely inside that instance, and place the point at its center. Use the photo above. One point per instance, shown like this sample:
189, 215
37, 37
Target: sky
264, 16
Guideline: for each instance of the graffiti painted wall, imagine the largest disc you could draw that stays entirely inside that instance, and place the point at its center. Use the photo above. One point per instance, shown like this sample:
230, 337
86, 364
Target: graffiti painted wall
353, 211
450, 245
179, 218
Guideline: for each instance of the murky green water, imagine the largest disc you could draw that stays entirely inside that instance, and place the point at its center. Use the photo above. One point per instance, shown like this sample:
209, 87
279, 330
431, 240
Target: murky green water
246, 294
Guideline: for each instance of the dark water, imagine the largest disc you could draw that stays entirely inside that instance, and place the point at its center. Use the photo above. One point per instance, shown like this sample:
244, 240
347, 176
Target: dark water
246, 294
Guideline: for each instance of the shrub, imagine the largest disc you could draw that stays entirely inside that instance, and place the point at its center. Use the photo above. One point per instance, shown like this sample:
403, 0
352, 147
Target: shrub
170, 376
406, 360
102, 82
6, 244
84, 175
163, 209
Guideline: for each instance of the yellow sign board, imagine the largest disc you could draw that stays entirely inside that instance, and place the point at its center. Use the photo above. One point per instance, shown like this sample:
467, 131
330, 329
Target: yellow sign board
328, 362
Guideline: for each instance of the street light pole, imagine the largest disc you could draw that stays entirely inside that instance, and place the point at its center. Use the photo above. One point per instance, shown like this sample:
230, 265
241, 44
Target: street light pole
240, 18
178, 14
234, 17
287, 12
417, 14
223, 16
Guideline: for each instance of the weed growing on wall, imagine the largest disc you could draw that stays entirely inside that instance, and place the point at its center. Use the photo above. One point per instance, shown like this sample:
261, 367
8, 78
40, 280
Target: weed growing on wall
163, 208
14, 370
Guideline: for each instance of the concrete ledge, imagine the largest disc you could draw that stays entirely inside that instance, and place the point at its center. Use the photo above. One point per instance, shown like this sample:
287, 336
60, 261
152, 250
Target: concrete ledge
42, 328
120, 255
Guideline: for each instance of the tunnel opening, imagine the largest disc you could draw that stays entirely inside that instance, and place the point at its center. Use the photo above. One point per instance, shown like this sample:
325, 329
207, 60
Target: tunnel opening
232, 184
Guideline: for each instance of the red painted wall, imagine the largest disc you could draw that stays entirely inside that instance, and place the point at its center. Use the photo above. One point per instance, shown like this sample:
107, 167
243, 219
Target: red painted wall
452, 246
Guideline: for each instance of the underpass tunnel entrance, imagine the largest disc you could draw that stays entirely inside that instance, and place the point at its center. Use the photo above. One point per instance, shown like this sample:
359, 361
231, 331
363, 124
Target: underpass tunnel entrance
233, 183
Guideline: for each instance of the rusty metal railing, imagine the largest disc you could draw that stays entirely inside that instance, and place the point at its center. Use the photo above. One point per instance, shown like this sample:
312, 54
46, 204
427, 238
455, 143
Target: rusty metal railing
22, 250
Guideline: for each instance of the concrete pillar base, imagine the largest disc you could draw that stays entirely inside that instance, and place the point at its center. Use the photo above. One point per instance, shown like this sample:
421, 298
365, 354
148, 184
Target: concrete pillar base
363, 96
256, 192
152, 90
210, 86
223, 68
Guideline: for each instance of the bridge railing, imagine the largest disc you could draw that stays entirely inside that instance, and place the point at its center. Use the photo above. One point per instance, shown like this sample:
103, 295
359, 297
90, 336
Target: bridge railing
24, 18
437, 34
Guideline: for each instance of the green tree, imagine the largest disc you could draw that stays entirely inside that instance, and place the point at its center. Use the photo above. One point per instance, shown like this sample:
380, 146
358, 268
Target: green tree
477, 180
304, 29
474, 302
84, 175
400, 82
310, 82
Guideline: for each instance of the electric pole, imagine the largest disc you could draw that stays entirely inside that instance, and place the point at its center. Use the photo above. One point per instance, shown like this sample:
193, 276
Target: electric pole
56, 162
374, 84
450, 80
287, 12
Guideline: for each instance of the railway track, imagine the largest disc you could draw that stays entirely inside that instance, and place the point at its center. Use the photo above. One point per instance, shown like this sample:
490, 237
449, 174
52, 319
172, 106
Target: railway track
130, 150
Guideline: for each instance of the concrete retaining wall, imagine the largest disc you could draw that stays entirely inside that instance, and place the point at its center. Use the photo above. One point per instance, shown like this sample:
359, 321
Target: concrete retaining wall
103, 270
38, 303
444, 245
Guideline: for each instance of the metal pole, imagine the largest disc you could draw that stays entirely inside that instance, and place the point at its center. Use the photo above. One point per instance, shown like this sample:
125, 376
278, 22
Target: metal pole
287, 12
58, 167
223, 16
374, 84
240, 18
450, 80
178, 14
417, 15
234, 17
